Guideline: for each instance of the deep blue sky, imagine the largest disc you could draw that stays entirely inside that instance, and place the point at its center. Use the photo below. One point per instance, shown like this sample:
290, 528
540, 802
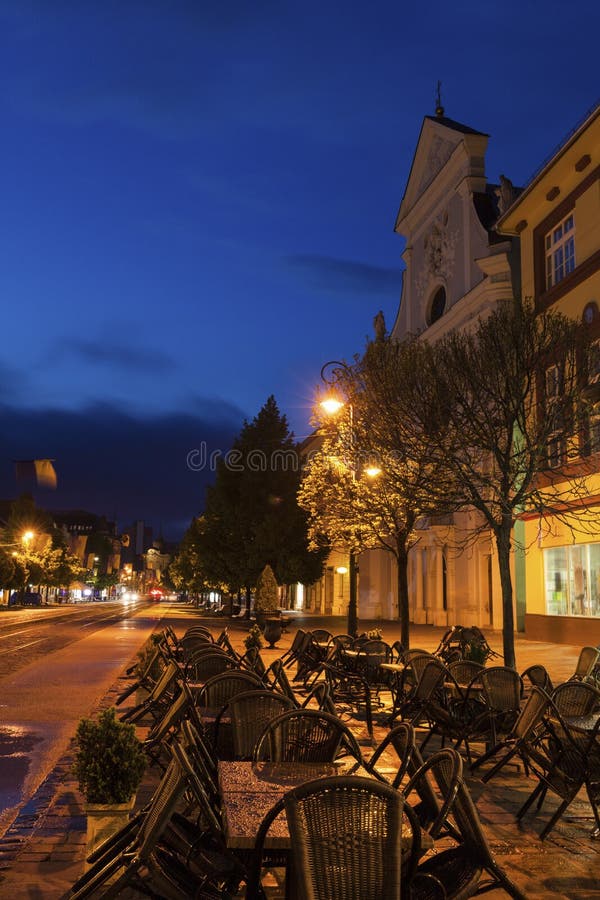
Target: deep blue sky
198, 202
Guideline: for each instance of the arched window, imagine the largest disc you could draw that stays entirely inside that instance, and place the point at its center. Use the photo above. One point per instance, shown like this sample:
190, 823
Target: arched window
437, 307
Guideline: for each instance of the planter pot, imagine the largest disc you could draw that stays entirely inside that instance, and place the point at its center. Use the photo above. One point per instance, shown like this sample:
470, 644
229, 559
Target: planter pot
272, 632
104, 820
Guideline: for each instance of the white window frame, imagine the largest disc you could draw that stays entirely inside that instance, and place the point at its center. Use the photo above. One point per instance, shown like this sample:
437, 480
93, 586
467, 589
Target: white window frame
559, 250
557, 444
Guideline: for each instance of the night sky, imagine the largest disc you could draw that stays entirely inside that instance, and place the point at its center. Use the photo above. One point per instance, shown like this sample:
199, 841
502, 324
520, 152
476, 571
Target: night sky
198, 201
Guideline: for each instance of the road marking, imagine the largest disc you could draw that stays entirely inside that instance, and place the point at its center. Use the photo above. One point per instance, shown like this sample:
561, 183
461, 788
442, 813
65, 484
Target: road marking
22, 646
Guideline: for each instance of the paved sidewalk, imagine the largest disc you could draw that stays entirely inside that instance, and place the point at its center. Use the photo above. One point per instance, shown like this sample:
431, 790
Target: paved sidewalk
42, 853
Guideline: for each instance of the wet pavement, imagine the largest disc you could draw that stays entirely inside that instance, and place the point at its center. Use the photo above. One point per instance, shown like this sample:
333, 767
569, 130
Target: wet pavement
43, 851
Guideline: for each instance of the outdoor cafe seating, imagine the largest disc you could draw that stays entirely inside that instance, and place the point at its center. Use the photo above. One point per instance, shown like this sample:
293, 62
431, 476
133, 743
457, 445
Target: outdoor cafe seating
264, 779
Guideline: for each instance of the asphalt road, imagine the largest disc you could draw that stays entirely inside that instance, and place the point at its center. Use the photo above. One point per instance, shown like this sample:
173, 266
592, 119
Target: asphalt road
55, 666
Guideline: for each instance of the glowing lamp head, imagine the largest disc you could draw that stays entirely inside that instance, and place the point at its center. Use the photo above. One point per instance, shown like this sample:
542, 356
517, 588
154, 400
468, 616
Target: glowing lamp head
331, 405
372, 471
341, 570
27, 536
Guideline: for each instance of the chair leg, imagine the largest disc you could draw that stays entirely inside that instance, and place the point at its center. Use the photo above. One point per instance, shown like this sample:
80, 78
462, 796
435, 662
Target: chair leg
488, 755
534, 794
546, 831
501, 762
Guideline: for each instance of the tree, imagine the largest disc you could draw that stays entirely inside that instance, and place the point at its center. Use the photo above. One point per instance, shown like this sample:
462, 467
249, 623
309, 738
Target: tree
267, 592
252, 516
484, 400
383, 511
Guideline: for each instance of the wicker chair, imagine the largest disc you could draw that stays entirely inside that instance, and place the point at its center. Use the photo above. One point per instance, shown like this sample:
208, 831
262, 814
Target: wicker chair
205, 664
431, 679
218, 690
351, 837
464, 670
515, 743
575, 698
588, 659
135, 860
558, 759
469, 868
401, 739
250, 713
499, 700
305, 735
536, 676
160, 697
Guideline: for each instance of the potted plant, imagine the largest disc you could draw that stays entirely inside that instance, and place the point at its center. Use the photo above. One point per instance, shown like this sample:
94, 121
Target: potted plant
109, 765
254, 638
266, 599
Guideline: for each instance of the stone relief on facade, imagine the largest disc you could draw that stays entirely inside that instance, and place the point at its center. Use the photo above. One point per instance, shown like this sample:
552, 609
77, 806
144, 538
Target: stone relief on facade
438, 254
439, 154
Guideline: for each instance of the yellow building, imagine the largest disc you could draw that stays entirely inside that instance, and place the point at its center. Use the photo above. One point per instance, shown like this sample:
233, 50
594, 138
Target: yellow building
557, 218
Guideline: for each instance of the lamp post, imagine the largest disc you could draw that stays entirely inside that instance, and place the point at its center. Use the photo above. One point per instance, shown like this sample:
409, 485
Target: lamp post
331, 373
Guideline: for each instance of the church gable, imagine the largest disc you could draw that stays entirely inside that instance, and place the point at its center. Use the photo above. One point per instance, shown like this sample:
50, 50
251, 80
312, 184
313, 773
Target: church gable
437, 142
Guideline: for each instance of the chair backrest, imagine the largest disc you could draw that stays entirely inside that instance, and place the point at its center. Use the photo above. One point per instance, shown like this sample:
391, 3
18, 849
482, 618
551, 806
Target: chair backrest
250, 712
347, 838
502, 687
432, 676
162, 806
531, 714
588, 658
276, 677
191, 644
305, 735
205, 665
445, 767
575, 698
253, 661
321, 635
416, 662
200, 630
537, 675
401, 739
219, 689
464, 670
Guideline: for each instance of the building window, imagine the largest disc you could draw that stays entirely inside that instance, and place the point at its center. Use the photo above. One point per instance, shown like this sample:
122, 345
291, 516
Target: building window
556, 439
438, 305
593, 373
559, 246
572, 580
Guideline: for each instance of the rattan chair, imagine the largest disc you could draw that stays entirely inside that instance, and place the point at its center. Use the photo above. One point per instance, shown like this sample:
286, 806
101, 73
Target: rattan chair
564, 760
205, 664
469, 868
491, 710
430, 681
400, 740
588, 658
515, 743
305, 735
218, 690
134, 861
575, 698
250, 712
160, 697
537, 676
352, 838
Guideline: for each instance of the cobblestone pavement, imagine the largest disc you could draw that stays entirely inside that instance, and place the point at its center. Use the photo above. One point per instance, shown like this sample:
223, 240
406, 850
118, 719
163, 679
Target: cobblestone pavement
43, 851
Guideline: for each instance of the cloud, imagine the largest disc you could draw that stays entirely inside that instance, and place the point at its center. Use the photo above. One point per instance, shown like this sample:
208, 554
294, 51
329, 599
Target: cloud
125, 356
118, 464
342, 276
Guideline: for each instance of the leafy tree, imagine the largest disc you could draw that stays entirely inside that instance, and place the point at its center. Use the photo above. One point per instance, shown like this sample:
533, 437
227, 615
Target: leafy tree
346, 506
480, 397
252, 516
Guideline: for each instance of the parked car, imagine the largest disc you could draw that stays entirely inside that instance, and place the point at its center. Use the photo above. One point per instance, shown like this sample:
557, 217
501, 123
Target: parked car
29, 598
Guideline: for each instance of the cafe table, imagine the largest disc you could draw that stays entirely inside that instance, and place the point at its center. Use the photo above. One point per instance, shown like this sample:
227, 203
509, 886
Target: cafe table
250, 789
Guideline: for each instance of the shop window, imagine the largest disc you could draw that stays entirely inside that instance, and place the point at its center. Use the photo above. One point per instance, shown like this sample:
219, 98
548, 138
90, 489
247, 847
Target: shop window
572, 580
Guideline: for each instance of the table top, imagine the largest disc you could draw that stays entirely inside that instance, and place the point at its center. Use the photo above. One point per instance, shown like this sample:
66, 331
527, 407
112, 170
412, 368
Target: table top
583, 723
249, 790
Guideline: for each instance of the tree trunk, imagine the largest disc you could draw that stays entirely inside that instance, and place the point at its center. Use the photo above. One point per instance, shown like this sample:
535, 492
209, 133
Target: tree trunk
248, 603
503, 536
353, 601
403, 613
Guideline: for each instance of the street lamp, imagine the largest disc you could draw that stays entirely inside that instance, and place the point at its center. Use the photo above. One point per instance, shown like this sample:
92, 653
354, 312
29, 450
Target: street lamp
331, 373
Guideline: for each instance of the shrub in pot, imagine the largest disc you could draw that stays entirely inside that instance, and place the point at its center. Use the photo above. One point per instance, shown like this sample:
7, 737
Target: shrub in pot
109, 765
266, 597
